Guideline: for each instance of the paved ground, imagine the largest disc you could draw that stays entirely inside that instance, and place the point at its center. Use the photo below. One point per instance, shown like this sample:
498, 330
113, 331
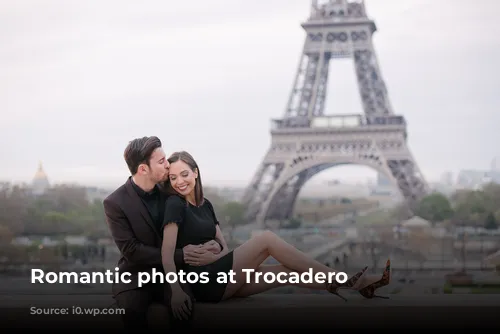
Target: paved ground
269, 301
21, 286
270, 312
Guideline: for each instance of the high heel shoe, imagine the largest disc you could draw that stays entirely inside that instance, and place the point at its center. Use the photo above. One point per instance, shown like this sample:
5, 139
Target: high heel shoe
369, 290
334, 288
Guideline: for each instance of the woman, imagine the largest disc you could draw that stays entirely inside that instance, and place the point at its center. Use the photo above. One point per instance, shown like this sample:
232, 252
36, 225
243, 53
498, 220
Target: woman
190, 219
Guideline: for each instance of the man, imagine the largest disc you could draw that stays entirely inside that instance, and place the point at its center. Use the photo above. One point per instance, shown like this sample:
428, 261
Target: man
134, 213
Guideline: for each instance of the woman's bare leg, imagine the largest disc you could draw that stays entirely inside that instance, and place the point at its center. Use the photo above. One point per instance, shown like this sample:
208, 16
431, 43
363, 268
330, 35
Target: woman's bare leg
255, 287
255, 251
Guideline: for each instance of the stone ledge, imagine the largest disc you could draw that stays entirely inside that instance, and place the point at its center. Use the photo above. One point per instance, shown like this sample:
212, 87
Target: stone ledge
275, 311
267, 301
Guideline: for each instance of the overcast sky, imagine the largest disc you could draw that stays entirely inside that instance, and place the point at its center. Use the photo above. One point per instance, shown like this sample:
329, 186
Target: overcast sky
79, 79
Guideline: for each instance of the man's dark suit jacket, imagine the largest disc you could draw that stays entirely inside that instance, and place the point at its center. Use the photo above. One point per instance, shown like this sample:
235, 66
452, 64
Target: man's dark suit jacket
135, 234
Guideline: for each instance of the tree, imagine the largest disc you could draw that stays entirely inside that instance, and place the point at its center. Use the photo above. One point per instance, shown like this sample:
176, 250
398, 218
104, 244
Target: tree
5, 235
67, 198
497, 215
232, 214
490, 222
54, 223
13, 204
492, 196
294, 222
344, 200
471, 207
435, 208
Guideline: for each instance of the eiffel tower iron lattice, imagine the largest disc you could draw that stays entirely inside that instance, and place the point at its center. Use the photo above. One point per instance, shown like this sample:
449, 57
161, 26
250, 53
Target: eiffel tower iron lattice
305, 141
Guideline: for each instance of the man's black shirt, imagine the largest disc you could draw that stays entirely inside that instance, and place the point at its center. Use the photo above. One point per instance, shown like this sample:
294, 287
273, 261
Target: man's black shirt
154, 202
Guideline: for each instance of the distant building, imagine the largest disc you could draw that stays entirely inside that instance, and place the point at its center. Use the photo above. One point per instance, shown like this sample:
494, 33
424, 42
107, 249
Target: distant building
94, 193
383, 181
384, 190
495, 164
475, 179
40, 182
447, 178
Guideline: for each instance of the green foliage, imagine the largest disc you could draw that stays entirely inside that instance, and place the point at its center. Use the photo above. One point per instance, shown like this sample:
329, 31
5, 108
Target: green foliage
472, 207
435, 208
344, 200
61, 211
293, 223
447, 289
464, 207
490, 222
232, 213
379, 217
66, 210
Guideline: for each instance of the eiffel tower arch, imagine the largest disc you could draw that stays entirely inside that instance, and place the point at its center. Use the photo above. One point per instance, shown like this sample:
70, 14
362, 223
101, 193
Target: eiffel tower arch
305, 142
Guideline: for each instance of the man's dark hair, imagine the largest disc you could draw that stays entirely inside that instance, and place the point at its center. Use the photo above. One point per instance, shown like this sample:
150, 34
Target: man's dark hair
139, 150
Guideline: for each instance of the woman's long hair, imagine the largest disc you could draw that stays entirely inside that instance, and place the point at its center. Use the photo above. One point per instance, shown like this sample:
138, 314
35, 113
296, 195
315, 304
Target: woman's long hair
188, 160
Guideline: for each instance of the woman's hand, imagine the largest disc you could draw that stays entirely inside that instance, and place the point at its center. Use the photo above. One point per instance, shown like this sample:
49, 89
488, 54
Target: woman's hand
181, 304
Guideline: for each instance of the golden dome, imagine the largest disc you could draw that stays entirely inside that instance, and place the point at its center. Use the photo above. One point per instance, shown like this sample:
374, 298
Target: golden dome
40, 174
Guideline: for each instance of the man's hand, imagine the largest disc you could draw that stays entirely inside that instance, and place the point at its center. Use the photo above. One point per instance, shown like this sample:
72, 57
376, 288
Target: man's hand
212, 246
199, 256
190, 248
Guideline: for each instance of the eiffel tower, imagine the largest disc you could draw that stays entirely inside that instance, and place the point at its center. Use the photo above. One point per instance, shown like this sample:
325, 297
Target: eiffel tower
305, 141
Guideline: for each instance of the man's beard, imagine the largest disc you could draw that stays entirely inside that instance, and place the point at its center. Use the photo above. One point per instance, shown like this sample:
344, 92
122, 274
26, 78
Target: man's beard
164, 179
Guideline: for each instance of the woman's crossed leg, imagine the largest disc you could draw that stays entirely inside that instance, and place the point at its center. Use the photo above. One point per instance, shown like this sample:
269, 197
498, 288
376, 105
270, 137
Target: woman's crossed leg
255, 251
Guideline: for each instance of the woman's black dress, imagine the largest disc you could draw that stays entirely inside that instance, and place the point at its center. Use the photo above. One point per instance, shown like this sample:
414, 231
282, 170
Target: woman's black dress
197, 226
